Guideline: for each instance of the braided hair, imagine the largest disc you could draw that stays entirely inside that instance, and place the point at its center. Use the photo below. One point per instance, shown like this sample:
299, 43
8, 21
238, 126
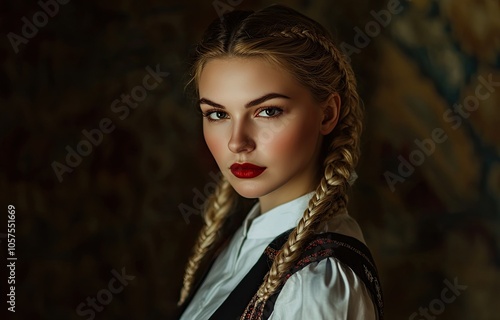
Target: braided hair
217, 209
303, 47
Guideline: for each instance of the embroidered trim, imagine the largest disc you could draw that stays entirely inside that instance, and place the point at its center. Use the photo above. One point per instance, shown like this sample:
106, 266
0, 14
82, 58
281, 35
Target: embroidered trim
343, 244
374, 280
251, 313
311, 254
323, 254
271, 253
323, 241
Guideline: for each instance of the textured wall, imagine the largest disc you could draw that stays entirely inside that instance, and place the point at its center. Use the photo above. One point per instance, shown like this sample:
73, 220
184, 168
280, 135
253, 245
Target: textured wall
98, 151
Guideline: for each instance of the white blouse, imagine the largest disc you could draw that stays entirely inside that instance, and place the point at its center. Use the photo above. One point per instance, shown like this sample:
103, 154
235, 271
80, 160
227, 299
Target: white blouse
327, 289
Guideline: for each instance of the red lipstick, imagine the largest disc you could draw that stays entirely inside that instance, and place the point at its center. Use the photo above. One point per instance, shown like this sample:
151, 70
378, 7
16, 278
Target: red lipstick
246, 170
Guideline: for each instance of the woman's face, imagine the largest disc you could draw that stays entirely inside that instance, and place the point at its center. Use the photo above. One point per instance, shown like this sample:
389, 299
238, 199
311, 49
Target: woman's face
263, 128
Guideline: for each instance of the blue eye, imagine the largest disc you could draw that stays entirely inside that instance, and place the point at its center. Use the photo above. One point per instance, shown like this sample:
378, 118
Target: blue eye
270, 112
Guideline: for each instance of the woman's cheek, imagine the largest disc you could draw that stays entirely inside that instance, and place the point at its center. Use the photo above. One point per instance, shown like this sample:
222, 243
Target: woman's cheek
285, 141
215, 141
297, 140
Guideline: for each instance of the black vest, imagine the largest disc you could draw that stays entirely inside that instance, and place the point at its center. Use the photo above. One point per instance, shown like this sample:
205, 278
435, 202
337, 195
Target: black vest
347, 250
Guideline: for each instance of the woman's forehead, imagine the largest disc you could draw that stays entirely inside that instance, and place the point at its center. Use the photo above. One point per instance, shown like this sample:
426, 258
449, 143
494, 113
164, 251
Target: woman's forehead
244, 77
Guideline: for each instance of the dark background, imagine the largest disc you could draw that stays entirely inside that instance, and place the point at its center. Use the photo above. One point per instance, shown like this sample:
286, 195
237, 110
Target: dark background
120, 206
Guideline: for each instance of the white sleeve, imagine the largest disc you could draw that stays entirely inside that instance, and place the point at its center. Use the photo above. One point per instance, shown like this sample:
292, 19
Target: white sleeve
324, 290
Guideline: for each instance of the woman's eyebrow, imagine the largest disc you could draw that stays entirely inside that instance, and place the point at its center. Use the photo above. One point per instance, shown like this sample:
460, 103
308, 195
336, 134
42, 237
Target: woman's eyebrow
252, 103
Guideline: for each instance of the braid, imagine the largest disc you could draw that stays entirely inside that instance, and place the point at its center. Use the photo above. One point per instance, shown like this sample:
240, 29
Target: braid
347, 87
217, 209
350, 120
330, 196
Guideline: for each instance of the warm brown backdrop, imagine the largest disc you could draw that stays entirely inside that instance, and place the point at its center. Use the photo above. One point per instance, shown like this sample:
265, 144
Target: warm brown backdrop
119, 207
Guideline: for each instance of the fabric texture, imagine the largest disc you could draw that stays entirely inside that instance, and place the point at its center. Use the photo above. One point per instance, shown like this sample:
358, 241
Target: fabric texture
327, 289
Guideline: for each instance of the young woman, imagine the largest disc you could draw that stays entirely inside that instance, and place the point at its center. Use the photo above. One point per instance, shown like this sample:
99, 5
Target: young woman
282, 119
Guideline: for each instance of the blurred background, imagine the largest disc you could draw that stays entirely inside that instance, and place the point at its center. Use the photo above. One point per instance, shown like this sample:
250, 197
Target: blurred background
103, 157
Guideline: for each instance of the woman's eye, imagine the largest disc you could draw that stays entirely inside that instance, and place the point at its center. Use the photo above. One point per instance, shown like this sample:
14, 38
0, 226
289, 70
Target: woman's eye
215, 115
270, 112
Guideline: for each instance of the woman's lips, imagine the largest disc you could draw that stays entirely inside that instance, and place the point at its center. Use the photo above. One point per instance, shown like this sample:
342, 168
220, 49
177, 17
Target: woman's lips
246, 170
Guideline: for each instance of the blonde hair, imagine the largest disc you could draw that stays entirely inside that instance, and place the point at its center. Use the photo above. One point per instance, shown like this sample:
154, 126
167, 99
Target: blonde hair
304, 48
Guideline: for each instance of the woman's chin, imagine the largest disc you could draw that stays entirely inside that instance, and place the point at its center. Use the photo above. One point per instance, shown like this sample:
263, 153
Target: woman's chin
247, 189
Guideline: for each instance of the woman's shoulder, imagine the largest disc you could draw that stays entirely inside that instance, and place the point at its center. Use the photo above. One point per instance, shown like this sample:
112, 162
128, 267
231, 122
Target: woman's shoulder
343, 224
335, 273
339, 243
324, 287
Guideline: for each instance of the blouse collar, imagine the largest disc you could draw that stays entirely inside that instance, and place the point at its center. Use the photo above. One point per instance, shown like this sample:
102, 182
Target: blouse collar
277, 220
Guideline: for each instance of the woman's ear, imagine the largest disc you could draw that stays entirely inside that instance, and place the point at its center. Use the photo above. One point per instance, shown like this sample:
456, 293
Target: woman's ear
331, 112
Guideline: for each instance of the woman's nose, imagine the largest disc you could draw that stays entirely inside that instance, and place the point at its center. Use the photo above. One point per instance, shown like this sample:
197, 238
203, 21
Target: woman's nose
241, 140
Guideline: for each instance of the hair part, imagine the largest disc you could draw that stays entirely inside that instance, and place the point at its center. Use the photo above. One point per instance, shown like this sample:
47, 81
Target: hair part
306, 50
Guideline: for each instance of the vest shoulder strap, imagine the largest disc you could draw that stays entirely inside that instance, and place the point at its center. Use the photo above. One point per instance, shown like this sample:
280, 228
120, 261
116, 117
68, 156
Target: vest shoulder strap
348, 250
